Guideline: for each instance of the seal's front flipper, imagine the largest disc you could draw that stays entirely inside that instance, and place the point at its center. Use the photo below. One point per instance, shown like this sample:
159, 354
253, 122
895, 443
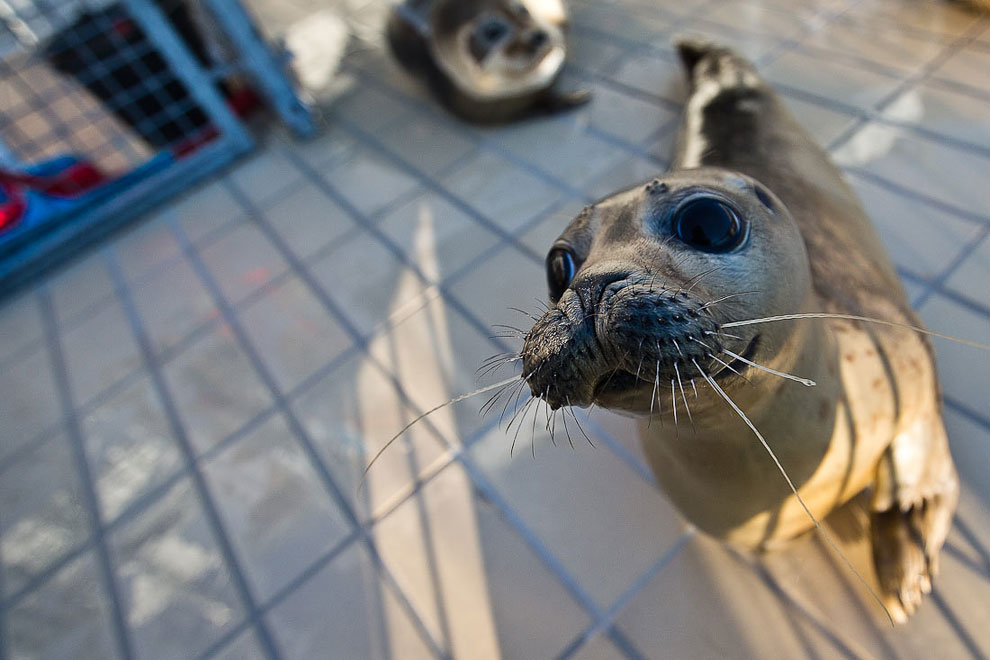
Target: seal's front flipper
914, 499
557, 101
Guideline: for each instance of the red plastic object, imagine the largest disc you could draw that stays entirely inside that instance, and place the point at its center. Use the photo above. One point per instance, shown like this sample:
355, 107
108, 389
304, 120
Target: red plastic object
74, 180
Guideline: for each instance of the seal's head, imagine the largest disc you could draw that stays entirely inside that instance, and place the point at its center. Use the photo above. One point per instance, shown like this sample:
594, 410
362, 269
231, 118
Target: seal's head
497, 49
641, 282
487, 60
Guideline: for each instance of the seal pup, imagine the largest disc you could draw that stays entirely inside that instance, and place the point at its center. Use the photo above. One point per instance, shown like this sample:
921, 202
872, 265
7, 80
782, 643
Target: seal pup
650, 290
487, 61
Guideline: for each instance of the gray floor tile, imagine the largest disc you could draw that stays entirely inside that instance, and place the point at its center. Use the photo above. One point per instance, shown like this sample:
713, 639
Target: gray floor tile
971, 278
925, 17
919, 238
824, 124
500, 191
130, 447
927, 167
266, 176
178, 597
560, 147
205, 210
349, 415
963, 371
653, 74
369, 108
370, 182
214, 388
437, 236
845, 83
80, 287
626, 171
146, 246
592, 53
944, 111
44, 516
172, 304
599, 648
752, 45
99, 352
706, 605
29, 402
630, 23
364, 278
474, 581
884, 44
756, 17
67, 618
307, 220
429, 144
293, 332
332, 145
315, 622
242, 261
277, 512
966, 67
244, 647
20, 325
623, 116
570, 500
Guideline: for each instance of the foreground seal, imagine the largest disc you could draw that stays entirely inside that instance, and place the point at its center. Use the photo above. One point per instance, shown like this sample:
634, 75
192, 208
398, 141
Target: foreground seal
487, 61
752, 221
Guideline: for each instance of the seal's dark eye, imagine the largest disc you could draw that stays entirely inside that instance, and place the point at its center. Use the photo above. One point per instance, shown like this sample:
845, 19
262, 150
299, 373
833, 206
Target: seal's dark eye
709, 225
488, 33
560, 271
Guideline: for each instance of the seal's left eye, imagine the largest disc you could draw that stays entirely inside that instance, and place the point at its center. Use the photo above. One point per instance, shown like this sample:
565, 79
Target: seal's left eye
560, 271
488, 33
709, 224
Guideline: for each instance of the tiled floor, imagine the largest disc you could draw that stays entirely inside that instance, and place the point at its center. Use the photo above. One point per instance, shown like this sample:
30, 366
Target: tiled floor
187, 409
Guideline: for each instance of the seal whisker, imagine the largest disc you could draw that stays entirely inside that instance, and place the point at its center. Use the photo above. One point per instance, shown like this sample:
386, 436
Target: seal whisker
807, 382
680, 384
525, 313
567, 431
729, 367
578, 422
853, 317
489, 388
673, 402
794, 490
727, 297
523, 410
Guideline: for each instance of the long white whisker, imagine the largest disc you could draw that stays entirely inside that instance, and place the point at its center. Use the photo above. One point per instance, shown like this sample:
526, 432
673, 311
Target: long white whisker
790, 484
405, 428
807, 382
853, 317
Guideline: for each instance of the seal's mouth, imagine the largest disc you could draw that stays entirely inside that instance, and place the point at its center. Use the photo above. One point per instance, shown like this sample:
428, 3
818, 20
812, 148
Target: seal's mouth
620, 382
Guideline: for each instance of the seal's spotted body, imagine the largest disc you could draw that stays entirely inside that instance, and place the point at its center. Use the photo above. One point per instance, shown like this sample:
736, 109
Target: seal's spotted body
753, 221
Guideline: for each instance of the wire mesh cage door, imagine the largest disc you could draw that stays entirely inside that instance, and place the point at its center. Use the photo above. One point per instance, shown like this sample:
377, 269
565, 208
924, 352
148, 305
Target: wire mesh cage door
107, 107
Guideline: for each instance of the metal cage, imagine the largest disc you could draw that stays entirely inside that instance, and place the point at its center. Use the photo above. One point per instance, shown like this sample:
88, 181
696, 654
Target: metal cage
107, 107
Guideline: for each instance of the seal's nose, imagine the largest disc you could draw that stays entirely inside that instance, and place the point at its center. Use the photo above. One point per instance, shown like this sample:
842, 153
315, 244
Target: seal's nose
538, 39
592, 287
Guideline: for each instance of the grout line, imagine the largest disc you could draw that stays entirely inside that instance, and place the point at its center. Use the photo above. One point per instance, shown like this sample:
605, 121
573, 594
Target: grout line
301, 436
281, 595
4, 632
610, 615
937, 283
479, 481
625, 644
91, 501
962, 409
182, 440
336, 312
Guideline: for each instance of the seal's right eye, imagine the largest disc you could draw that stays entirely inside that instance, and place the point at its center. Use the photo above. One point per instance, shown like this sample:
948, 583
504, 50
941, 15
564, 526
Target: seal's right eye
488, 33
709, 224
560, 271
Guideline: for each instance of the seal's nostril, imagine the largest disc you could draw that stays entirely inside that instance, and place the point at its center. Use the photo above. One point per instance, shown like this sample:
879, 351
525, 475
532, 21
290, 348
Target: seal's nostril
538, 39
